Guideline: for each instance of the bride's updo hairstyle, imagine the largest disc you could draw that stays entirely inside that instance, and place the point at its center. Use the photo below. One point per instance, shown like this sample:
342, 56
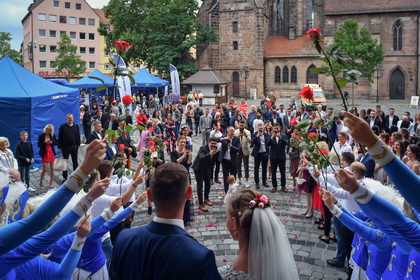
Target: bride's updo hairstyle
239, 208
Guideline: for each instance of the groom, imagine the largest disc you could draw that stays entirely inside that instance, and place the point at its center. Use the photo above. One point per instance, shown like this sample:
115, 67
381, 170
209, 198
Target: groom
163, 249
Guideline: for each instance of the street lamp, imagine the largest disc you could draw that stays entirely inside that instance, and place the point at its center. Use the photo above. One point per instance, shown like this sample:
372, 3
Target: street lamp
245, 71
379, 75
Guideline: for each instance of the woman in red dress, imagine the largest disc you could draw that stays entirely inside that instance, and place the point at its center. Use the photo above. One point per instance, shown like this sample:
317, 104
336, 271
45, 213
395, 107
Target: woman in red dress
46, 143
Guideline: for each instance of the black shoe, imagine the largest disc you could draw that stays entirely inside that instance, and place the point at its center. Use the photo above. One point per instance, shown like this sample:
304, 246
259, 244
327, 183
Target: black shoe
149, 210
257, 186
326, 240
265, 185
217, 181
334, 262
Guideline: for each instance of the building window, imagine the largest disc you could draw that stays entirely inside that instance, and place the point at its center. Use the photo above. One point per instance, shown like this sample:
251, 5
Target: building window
235, 27
91, 50
309, 14
92, 64
83, 64
397, 30
62, 33
311, 78
293, 75
285, 74
72, 20
78, 6
82, 21
235, 45
82, 50
108, 66
67, 5
72, 35
82, 35
63, 19
91, 36
53, 64
42, 33
216, 89
57, 4
91, 21
277, 75
52, 18
53, 49
53, 33
42, 48
42, 17
42, 64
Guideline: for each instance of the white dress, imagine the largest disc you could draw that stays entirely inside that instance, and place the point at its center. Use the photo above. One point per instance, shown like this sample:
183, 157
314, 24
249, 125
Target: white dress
227, 273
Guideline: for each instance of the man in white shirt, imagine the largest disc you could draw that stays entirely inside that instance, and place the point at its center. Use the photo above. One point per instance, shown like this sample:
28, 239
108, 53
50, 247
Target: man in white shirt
96, 133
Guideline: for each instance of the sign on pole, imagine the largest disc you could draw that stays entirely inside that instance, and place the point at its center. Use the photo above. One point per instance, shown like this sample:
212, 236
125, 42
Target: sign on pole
176, 87
124, 87
414, 102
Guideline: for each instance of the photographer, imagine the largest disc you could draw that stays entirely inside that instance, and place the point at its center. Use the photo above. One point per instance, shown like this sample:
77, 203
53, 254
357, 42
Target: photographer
245, 140
229, 155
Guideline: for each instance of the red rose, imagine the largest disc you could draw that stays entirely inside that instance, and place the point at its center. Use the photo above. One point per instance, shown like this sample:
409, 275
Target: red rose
307, 93
312, 135
293, 134
151, 143
294, 122
121, 147
166, 143
122, 46
314, 33
127, 100
151, 129
324, 152
299, 137
152, 149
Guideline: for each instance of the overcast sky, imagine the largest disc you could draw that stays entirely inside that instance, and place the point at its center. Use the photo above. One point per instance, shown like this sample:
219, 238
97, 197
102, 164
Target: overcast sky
13, 11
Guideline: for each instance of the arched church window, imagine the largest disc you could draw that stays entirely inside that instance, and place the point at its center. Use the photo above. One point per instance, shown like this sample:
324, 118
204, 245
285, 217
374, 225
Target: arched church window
285, 74
293, 75
235, 27
397, 32
277, 75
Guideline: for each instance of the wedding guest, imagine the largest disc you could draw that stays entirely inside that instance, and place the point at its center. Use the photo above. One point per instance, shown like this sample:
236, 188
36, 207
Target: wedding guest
257, 122
260, 154
342, 144
143, 138
229, 155
189, 117
205, 122
137, 250
277, 144
112, 149
25, 157
46, 143
69, 142
87, 121
216, 133
170, 133
7, 160
96, 133
413, 156
198, 112
186, 131
245, 139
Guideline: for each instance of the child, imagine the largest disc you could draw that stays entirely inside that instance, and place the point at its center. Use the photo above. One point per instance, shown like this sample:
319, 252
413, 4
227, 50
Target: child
233, 187
25, 157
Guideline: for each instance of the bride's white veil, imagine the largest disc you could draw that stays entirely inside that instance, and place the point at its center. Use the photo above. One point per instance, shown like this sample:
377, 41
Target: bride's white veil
269, 252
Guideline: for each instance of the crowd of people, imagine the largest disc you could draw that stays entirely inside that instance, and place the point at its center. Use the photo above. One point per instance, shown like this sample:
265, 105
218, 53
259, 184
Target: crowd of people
368, 193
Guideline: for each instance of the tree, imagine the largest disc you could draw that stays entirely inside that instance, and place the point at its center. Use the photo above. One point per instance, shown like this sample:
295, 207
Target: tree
6, 48
162, 32
67, 59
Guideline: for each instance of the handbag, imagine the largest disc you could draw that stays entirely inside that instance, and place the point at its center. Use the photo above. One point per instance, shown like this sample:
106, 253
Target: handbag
60, 164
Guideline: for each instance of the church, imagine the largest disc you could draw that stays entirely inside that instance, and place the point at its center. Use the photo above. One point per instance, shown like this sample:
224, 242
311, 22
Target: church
261, 44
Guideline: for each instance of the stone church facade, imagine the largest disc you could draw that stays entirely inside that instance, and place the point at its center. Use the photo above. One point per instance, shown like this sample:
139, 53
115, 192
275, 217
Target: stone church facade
261, 44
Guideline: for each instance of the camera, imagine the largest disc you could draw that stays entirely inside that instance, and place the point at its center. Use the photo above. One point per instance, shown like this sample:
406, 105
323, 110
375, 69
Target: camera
241, 130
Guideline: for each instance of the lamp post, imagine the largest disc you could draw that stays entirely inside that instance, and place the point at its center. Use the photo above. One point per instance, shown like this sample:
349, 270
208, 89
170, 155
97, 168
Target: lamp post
379, 75
245, 71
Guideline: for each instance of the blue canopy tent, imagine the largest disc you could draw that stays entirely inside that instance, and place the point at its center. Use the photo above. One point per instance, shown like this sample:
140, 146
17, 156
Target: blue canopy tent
87, 82
29, 102
144, 78
62, 82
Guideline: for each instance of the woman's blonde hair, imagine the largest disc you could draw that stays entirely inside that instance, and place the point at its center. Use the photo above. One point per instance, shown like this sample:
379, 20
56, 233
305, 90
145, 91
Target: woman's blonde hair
52, 128
5, 139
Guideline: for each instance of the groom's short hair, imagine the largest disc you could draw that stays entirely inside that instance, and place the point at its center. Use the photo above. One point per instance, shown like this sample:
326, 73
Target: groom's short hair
168, 185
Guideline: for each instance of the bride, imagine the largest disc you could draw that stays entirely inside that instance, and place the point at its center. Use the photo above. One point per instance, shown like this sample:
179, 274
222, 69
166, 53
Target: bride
264, 250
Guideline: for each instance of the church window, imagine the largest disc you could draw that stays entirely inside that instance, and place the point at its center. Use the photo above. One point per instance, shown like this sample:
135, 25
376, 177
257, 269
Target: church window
277, 75
235, 27
285, 74
397, 30
280, 17
293, 75
311, 78
309, 14
235, 45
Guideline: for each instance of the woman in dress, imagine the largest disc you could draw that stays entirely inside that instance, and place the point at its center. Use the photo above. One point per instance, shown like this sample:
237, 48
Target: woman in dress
413, 156
46, 143
143, 139
7, 159
264, 249
189, 116
186, 131
170, 133
307, 185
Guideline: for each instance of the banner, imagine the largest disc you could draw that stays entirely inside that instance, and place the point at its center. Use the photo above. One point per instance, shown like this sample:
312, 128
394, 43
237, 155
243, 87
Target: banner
124, 87
176, 87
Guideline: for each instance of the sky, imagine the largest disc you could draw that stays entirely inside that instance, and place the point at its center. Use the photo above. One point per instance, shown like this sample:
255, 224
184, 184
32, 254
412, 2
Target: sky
13, 11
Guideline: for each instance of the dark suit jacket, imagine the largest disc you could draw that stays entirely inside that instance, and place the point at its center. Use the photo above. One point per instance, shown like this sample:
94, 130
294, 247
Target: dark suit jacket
369, 163
256, 143
395, 120
126, 140
277, 149
42, 145
114, 125
202, 162
376, 121
320, 138
278, 119
286, 122
161, 251
234, 150
105, 120
109, 153
91, 137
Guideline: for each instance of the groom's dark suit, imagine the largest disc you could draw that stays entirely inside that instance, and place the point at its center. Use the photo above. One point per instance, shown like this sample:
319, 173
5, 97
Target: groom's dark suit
161, 251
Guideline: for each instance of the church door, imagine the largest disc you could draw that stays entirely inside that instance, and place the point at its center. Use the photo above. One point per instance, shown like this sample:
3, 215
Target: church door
397, 85
235, 84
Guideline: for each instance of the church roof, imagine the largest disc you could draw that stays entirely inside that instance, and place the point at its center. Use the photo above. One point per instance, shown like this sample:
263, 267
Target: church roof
282, 46
339, 7
206, 76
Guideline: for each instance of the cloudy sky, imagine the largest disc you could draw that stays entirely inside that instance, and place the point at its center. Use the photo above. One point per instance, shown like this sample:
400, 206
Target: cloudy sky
13, 11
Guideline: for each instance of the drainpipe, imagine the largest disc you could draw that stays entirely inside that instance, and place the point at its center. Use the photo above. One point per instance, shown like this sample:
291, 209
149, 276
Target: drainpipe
417, 55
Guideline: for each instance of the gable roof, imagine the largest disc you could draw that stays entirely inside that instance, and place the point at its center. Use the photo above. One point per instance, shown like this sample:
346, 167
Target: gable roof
206, 76
282, 46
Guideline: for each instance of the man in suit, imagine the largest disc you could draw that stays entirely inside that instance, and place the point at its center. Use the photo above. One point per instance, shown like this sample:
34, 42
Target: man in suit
96, 133
373, 120
125, 139
202, 170
260, 153
277, 144
105, 120
229, 155
159, 250
275, 119
321, 131
205, 125
144, 102
245, 140
367, 161
286, 125
111, 150
391, 121
69, 141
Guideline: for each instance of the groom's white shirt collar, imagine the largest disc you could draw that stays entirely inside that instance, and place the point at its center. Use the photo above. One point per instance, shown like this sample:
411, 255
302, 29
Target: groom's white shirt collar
175, 222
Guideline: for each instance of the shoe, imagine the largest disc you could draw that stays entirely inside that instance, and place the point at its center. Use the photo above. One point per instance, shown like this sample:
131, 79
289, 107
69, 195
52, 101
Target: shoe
217, 181
269, 179
149, 210
284, 190
324, 239
309, 216
333, 239
265, 185
334, 262
257, 186
318, 221
203, 208
31, 189
208, 202
321, 227
273, 190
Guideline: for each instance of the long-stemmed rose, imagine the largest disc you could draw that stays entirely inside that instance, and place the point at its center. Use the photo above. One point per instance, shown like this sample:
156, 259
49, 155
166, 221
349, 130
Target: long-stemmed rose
122, 46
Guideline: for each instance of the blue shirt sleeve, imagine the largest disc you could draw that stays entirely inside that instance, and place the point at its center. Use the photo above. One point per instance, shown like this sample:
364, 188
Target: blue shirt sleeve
113, 222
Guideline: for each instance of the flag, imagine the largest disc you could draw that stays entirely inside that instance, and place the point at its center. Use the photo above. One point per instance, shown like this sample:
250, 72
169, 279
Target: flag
176, 88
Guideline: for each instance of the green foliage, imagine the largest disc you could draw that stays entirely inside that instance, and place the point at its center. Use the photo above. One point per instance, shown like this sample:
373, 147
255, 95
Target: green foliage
161, 32
6, 48
354, 49
67, 59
